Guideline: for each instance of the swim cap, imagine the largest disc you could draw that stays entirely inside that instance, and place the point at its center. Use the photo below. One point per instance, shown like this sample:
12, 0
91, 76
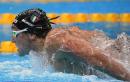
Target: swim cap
35, 20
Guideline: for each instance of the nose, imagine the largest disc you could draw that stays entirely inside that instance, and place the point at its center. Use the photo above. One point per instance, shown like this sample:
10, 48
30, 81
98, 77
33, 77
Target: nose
13, 39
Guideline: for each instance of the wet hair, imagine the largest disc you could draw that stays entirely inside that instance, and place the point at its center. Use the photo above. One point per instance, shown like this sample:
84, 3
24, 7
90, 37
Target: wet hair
35, 20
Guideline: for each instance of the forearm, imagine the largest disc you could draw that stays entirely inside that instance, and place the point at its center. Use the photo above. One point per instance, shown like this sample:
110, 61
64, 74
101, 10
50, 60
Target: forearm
96, 57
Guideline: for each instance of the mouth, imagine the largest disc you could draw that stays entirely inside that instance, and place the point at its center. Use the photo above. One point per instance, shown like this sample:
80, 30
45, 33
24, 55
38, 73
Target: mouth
21, 53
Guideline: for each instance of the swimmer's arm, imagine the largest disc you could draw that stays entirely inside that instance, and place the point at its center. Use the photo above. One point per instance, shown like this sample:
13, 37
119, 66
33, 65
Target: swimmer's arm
96, 57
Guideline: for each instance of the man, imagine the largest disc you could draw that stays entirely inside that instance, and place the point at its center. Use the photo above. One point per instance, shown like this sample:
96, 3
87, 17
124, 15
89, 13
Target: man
69, 50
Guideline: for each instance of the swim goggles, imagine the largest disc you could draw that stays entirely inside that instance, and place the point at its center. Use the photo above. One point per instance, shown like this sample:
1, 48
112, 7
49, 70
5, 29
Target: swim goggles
16, 33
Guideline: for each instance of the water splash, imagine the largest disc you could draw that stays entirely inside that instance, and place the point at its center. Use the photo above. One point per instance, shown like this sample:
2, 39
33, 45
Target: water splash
123, 44
13, 71
118, 48
40, 62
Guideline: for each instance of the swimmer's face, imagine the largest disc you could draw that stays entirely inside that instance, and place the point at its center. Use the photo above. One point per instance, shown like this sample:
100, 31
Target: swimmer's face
22, 41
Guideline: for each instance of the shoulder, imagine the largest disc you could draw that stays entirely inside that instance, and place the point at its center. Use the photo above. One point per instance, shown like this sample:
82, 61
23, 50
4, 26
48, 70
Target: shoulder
64, 29
61, 31
58, 34
55, 38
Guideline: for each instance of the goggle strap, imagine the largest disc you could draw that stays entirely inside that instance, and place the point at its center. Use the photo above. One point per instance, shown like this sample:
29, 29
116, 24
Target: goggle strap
20, 31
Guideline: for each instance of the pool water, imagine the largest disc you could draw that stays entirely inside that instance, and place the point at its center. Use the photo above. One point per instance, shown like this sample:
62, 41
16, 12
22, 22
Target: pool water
18, 69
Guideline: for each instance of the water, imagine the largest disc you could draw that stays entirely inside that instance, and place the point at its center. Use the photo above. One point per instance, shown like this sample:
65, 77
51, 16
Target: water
19, 69
118, 48
40, 62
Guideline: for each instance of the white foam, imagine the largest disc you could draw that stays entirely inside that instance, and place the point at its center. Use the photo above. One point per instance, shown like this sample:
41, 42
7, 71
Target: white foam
40, 62
118, 48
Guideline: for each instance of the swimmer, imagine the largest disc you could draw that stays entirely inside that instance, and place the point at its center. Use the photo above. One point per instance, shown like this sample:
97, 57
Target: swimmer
69, 49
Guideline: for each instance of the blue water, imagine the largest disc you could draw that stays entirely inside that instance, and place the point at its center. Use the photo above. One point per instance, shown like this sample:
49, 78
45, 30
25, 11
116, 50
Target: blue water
18, 69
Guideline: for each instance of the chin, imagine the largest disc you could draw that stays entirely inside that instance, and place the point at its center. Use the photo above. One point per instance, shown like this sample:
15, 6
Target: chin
22, 52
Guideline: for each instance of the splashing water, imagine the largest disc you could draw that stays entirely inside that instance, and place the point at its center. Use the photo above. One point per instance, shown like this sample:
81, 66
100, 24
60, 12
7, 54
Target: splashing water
40, 62
19, 70
118, 48
123, 44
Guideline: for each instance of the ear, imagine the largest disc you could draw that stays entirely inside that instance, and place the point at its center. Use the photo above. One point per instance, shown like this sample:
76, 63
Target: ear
32, 37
